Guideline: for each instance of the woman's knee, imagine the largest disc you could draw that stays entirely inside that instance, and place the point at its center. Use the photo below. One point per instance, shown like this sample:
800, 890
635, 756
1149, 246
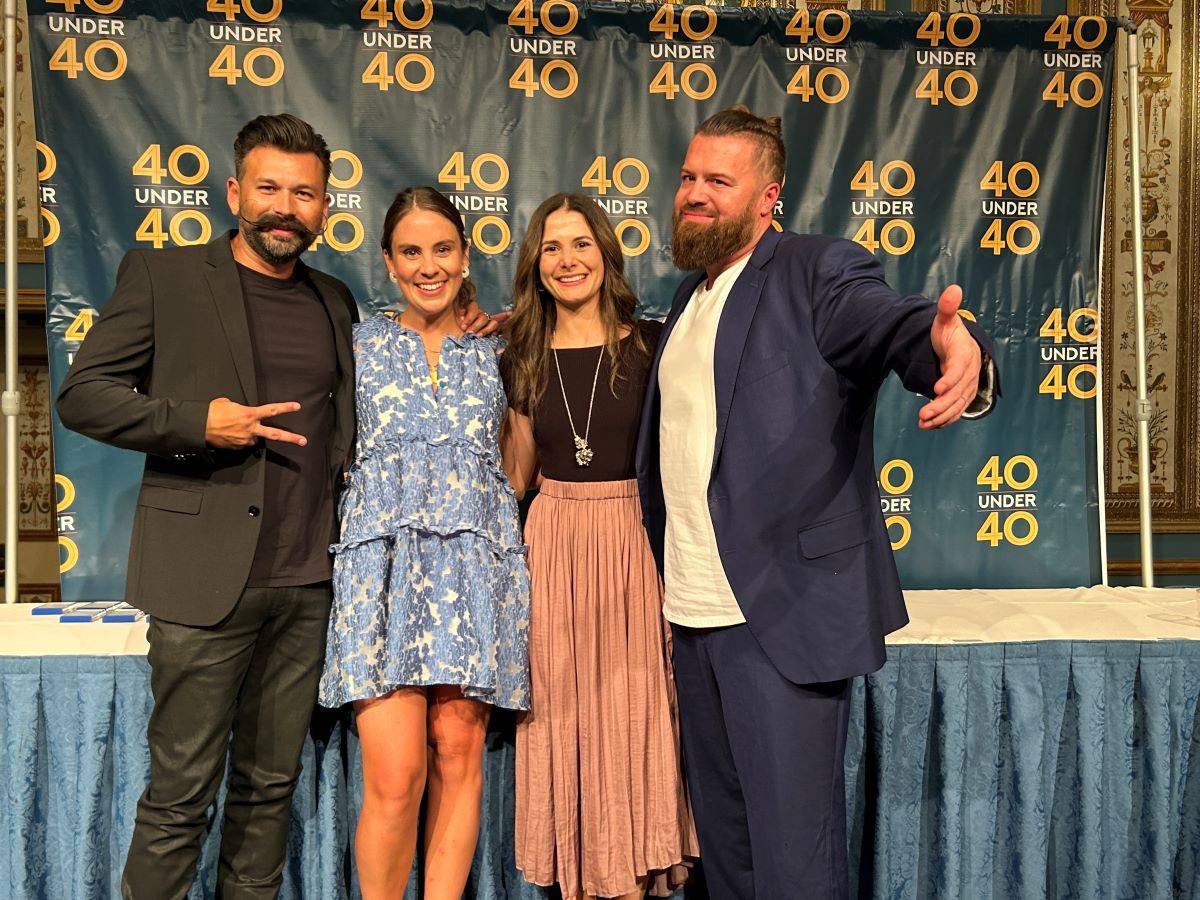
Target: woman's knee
456, 740
397, 790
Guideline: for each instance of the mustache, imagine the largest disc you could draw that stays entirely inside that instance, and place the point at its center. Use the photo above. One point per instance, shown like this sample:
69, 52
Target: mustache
269, 221
694, 208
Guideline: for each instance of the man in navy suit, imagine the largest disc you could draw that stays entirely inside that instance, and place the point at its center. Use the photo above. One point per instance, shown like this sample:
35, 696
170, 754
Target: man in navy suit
757, 479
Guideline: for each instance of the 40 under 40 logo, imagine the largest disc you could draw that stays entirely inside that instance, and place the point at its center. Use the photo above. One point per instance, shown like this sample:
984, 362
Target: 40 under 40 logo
542, 42
895, 180
1074, 80
406, 58
478, 187
246, 46
47, 194
1069, 352
344, 228
68, 549
631, 178
1010, 500
819, 36
895, 500
683, 35
950, 78
176, 210
1014, 201
92, 43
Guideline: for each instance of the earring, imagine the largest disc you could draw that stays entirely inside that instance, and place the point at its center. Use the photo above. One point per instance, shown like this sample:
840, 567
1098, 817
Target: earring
466, 271
392, 276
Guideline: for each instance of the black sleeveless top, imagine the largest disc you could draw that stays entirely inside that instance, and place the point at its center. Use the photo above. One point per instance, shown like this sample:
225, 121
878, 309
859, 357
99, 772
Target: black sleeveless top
615, 417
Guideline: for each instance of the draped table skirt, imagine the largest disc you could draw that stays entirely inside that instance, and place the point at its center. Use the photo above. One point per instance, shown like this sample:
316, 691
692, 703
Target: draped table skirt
1024, 769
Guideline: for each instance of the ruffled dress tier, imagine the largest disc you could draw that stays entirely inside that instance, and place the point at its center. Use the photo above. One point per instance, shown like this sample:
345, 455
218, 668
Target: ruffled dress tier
430, 579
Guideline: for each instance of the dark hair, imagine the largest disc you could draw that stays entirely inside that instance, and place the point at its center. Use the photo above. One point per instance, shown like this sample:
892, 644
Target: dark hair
435, 201
285, 132
535, 314
766, 131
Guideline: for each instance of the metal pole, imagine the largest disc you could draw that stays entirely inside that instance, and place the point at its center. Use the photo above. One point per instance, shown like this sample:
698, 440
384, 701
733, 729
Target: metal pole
1098, 408
1139, 292
10, 402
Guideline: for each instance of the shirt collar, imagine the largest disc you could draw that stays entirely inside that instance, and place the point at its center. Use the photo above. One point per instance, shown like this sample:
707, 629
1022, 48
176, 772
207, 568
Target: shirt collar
461, 341
725, 280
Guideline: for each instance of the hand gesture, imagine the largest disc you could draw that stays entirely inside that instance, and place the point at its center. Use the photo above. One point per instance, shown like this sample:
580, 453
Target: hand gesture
476, 321
231, 426
960, 359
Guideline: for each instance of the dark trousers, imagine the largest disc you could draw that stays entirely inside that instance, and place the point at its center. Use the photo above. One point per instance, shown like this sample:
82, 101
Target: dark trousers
253, 675
763, 758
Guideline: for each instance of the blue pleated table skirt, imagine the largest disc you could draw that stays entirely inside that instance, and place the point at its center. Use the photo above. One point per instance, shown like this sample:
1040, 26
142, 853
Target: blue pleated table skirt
1024, 770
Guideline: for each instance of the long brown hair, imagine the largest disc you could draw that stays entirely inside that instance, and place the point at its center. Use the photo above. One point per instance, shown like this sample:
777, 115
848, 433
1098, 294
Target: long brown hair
535, 313
435, 201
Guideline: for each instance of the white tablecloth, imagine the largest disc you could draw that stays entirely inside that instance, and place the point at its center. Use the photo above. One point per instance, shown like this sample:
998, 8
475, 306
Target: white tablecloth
1079, 614
937, 617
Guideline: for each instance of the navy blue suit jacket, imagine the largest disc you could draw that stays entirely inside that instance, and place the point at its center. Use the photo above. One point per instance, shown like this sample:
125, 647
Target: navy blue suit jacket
808, 334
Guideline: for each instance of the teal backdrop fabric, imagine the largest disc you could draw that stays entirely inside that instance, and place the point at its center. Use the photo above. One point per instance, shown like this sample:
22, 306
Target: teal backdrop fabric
956, 147
1050, 769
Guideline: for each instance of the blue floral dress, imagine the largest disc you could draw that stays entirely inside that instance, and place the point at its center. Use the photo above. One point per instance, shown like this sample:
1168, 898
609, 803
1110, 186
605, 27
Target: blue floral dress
430, 585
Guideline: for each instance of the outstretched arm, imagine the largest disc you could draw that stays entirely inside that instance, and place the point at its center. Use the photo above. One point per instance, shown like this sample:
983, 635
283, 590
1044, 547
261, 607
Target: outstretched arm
864, 329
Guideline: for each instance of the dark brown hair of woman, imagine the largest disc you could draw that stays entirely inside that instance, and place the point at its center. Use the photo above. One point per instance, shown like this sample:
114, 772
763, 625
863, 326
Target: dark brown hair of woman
534, 313
432, 200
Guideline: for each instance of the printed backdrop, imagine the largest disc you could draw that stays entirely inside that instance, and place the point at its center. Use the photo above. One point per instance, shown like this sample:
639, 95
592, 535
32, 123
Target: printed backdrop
956, 147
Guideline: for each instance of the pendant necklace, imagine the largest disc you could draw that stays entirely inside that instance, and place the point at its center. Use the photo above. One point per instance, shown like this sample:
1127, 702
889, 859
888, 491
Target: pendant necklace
583, 452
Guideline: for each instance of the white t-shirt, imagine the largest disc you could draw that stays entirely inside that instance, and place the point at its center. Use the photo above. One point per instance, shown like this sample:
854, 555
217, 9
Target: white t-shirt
697, 591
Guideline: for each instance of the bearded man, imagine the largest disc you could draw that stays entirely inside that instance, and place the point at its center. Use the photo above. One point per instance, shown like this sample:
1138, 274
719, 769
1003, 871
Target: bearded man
757, 481
230, 366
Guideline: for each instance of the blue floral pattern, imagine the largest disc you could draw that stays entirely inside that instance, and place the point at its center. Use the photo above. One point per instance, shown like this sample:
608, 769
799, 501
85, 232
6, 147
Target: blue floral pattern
430, 583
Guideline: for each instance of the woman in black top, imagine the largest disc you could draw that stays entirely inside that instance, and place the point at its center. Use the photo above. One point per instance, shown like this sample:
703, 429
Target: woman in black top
601, 805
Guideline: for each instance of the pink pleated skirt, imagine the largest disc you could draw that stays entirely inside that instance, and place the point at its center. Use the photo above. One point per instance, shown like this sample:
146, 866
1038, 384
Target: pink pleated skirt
601, 801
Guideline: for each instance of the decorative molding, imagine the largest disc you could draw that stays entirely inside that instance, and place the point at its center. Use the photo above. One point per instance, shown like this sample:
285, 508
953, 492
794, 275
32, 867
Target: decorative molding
979, 7
29, 300
39, 593
1161, 567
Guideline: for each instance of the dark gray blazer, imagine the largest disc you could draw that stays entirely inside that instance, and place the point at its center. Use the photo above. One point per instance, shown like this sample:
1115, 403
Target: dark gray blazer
173, 337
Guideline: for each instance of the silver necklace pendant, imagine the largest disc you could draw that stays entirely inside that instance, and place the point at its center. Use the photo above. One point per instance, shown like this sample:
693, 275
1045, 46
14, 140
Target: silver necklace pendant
583, 453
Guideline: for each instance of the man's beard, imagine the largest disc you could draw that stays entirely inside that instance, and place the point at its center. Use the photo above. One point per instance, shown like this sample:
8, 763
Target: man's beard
277, 251
696, 246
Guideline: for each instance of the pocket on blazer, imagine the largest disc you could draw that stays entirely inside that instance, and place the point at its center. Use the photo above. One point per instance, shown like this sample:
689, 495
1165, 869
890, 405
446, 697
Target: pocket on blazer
172, 499
839, 533
761, 368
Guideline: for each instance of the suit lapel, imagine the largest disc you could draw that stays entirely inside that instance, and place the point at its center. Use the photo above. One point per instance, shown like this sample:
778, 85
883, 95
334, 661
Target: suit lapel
686, 288
736, 317
339, 317
226, 289
648, 433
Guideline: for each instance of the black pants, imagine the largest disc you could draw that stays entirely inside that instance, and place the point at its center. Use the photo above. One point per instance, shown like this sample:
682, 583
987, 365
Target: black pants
764, 759
253, 675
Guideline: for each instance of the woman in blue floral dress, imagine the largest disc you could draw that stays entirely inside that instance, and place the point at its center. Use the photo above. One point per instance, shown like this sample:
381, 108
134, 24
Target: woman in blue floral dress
431, 590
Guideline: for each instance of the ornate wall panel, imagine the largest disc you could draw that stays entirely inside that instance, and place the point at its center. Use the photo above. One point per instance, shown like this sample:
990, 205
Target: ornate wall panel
1168, 90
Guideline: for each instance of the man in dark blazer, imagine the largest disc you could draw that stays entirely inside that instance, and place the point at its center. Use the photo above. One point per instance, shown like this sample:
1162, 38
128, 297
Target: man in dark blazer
757, 480
245, 417
230, 366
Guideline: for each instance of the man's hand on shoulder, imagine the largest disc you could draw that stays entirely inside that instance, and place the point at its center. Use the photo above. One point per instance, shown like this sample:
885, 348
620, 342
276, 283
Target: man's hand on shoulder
231, 426
474, 320
960, 358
